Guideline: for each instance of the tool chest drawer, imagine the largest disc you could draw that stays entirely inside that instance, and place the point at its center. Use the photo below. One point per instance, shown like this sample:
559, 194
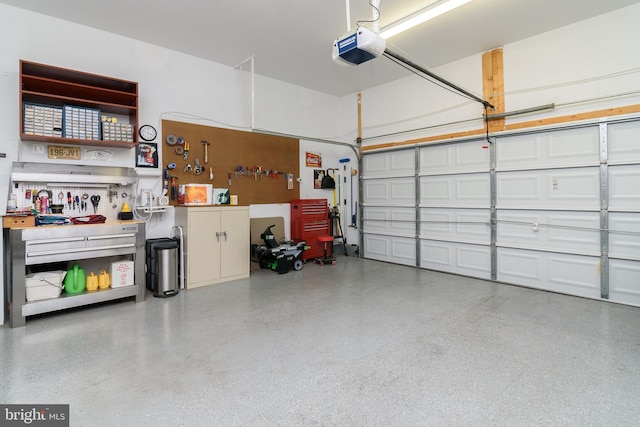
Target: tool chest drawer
77, 242
38, 247
110, 241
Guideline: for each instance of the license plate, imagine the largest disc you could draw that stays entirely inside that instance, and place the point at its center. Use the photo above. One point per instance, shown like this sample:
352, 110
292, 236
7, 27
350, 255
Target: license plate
62, 152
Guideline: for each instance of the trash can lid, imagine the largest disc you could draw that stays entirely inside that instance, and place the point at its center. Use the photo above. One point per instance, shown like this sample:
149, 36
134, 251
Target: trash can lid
166, 245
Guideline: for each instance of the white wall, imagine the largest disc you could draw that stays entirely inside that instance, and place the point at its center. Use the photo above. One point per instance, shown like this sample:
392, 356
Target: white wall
565, 66
169, 82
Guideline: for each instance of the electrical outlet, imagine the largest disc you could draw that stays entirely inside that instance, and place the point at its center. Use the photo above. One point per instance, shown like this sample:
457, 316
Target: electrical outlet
38, 149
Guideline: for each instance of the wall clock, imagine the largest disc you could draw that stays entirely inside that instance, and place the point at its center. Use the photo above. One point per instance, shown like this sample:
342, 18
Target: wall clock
147, 132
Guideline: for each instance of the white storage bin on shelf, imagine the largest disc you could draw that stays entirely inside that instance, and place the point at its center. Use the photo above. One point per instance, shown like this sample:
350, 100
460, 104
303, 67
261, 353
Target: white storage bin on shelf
44, 285
122, 274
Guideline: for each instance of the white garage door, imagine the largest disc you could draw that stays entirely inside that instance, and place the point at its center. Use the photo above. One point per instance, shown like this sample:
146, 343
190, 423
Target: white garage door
564, 205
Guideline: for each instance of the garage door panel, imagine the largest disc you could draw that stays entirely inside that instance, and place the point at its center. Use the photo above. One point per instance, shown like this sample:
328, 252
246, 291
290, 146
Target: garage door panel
389, 220
571, 274
390, 248
577, 232
459, 258
573, 147
393, 163
468, 191
454, 158
624, 237
392, 191
549, 189
624, 142
457, 225
519, 188
624, 185
474, 258
474, 188
624, 281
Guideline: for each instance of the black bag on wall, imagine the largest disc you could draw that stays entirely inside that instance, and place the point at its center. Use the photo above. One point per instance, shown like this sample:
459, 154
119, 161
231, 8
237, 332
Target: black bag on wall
328, 181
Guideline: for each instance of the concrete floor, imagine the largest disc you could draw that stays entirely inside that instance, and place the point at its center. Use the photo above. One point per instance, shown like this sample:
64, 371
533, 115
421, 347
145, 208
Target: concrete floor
362, 343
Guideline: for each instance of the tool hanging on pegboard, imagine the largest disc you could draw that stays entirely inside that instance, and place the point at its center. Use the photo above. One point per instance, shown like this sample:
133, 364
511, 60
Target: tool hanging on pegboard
206, 151
198, 168
186, 150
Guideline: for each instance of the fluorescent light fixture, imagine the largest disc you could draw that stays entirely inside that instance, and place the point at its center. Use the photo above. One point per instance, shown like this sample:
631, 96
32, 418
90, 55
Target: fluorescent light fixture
421, 16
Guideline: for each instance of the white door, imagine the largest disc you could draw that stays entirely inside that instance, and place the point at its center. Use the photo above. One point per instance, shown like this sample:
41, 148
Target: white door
204, 247
235, 242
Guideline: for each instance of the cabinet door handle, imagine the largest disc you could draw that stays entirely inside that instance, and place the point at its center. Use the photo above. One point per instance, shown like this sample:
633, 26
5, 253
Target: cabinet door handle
221, 233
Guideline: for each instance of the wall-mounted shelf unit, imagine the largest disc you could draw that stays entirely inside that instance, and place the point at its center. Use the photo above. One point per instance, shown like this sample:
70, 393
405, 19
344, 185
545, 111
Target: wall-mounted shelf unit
56, 87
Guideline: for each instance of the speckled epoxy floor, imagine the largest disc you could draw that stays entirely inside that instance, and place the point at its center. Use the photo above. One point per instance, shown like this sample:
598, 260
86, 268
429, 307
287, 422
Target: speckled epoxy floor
361, 343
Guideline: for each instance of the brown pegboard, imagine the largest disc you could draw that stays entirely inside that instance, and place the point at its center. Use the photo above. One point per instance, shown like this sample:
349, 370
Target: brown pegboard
229, 149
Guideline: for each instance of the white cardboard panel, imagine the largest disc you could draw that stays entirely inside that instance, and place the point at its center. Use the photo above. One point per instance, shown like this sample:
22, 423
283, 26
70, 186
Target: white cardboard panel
456, 225
454, 158
389, 192
571, 147
389, 220
461, 191
545, 230
624, 281
458, 258
624, 237
394, 249
551, 189
571, 274
624, 142
388, 164
624, 187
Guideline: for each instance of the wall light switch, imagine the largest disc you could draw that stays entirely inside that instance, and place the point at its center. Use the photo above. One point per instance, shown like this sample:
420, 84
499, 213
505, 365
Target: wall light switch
38, 149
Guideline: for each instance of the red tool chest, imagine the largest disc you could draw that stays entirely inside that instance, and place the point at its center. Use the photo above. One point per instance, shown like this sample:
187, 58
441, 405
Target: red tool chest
310, 219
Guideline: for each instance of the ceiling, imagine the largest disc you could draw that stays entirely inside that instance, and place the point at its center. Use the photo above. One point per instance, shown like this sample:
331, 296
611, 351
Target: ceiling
291, 40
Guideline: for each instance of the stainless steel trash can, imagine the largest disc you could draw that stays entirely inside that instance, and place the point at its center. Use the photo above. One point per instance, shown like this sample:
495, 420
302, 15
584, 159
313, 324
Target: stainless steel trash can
166, 270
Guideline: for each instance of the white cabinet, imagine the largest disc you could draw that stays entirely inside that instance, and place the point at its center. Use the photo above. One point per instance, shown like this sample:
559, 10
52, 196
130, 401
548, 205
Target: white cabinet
216, 243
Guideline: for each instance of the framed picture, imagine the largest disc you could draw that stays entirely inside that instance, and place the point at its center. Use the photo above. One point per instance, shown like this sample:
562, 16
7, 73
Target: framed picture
313, 160
318, 175
147, 155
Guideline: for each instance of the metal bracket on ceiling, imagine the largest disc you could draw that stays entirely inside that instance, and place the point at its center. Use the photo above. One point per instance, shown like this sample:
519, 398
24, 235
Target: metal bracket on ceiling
253, 86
